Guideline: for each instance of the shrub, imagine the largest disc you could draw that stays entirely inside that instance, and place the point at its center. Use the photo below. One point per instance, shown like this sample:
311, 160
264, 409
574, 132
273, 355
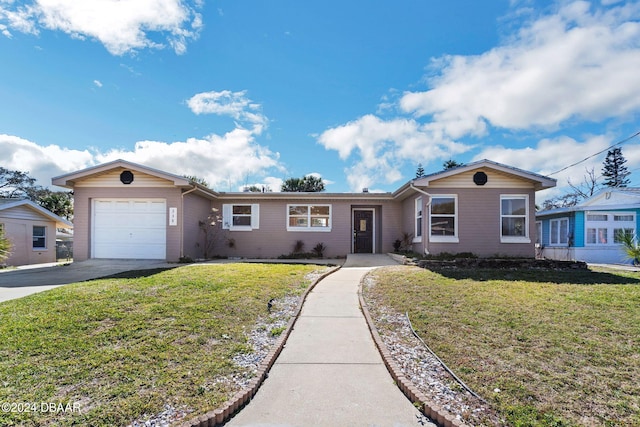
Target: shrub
5, 246
319, 249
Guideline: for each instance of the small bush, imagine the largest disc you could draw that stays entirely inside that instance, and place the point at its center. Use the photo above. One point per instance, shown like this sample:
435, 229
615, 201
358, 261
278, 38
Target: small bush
319, 249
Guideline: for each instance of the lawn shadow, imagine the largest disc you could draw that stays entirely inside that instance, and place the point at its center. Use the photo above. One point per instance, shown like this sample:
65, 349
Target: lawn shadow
135, 274
575, 277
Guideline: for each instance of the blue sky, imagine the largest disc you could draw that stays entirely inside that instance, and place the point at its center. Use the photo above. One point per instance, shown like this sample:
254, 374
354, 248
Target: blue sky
254, 92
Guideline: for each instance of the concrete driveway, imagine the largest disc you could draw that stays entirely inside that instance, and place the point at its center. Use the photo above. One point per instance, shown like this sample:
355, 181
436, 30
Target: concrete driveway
25, 281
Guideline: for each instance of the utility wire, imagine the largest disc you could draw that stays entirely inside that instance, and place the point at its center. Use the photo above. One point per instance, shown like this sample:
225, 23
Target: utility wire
599, 152
444, 365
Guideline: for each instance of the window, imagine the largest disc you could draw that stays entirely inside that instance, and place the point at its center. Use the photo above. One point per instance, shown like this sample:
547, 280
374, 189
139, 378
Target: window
443, 219
39, 237
538, 232
240, 217
309, 217
559, 231
620, 233
418, 226
513, 219
608, 228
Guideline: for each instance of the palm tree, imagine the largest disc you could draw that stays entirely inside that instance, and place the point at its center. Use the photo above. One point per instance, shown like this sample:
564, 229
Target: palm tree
630, 246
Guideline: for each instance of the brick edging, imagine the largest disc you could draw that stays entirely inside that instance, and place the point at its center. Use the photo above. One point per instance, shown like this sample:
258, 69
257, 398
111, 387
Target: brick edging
429, 408
240, 399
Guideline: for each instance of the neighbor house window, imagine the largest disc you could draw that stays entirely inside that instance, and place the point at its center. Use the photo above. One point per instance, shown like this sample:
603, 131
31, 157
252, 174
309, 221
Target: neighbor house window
418, 220
538, 232
443, 219
309, 217
559, 234
608, 228
514, 211
240, 217
39, 237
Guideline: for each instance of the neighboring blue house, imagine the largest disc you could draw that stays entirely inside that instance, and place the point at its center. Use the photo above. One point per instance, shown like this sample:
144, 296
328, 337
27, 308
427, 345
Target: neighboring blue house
589, 231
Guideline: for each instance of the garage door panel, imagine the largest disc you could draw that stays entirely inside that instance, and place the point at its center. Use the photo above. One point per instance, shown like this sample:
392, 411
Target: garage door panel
129, 228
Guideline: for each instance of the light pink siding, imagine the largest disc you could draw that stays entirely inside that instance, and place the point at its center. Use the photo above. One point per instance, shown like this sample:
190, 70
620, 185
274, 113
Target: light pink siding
82, 215
272, 239
196, 209
20, 232
478, 223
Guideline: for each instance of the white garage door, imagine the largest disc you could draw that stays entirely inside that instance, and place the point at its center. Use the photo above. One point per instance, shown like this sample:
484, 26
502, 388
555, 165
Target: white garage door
129, 228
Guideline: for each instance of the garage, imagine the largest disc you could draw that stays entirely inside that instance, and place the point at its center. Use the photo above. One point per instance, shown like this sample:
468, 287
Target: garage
129, 228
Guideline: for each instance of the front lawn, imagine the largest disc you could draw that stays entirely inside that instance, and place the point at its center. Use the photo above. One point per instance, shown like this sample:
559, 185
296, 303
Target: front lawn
545, 348
113, 350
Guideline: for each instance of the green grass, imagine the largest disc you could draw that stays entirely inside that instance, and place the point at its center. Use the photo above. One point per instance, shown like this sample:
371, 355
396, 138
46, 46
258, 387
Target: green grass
562, 346
123, 347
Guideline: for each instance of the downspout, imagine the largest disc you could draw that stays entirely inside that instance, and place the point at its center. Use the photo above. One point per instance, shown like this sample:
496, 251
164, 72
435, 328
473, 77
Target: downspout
425, 236
195, 187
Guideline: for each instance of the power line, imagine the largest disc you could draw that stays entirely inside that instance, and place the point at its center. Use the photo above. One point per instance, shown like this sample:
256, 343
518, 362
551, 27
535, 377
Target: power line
599, 152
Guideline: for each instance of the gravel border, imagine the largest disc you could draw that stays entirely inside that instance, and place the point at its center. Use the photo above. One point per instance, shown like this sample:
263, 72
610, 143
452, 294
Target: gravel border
419, 374
259, 363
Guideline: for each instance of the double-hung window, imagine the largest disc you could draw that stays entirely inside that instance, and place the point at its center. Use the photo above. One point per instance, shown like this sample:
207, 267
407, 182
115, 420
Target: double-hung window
514, 211
559, 231
39, 237
240, 217
443, 219
309, 217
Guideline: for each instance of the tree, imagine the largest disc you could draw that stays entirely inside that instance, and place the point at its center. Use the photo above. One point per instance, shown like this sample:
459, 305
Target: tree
5, 246
420, 171
450, 164
197, 180
614, 170
58, 202
305, 184
16, 184
19, 185
256, 189
587, 187
584, 190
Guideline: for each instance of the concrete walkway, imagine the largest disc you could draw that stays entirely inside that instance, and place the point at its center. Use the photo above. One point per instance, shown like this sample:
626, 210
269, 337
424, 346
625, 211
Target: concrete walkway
330, 372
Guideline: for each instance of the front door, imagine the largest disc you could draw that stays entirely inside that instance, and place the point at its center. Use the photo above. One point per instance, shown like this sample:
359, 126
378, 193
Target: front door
363, 231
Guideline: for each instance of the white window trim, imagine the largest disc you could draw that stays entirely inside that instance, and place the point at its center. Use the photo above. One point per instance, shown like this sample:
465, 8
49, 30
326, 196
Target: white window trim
418, 208
610, 225
559, 220
227, 217
309, 228
46, 241
445, 239
515, 239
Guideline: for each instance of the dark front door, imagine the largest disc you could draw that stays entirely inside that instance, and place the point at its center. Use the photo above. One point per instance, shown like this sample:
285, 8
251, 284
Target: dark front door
362, 232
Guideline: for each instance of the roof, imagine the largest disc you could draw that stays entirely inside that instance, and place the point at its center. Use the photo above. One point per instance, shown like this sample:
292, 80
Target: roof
540, 182
610, 199
68, 180
6, 204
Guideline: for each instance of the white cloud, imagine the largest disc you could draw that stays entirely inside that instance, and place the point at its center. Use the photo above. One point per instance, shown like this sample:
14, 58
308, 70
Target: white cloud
579, 64
227, 103
121, 26
42, 162
224, 161
98, 83
576, 64
383, 146
552, 155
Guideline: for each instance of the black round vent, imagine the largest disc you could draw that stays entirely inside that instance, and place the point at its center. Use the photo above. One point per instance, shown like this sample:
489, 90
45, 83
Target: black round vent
126, 177
480, 178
